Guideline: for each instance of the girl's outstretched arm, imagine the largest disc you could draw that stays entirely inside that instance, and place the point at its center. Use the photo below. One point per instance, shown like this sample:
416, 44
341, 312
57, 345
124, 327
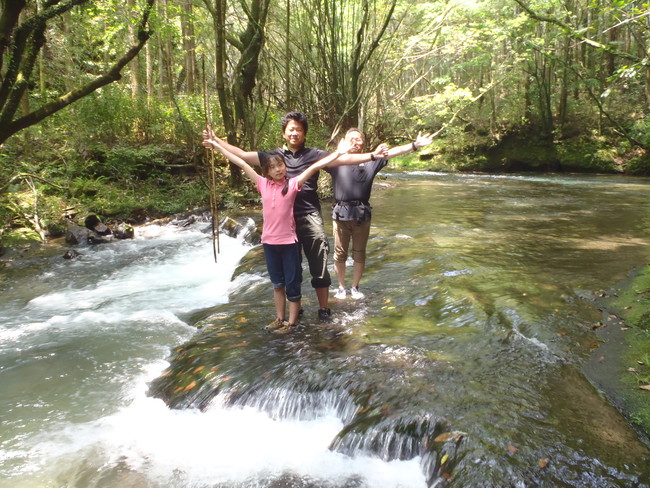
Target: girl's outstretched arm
250, 157
233, 158
343, 148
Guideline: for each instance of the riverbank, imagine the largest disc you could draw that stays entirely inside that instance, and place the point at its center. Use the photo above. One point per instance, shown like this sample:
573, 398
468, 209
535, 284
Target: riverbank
527, 151
620, 367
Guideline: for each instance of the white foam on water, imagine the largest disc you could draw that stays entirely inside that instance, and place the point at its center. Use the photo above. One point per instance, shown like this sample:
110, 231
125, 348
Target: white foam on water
219, 445
130, 280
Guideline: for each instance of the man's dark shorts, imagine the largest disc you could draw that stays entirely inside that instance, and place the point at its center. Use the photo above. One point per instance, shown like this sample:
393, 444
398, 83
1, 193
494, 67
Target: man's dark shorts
312, 237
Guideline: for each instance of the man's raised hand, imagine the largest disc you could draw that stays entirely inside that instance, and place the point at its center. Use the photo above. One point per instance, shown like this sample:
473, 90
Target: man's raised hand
423, 140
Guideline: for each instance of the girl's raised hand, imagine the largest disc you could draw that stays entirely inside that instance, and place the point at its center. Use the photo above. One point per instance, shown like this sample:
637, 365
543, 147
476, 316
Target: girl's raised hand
344, 147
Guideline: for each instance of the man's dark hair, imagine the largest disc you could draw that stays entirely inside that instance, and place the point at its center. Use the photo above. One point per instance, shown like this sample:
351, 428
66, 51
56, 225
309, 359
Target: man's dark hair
297, 117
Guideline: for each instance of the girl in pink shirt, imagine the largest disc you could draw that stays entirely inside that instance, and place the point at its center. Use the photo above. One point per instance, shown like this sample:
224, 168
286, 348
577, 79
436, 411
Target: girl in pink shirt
281, 247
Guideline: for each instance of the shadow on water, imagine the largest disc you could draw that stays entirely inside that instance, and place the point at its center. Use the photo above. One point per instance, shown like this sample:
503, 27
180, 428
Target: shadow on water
465, 353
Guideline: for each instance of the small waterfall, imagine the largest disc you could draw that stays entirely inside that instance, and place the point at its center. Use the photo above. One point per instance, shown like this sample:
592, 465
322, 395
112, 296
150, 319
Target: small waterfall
293, 379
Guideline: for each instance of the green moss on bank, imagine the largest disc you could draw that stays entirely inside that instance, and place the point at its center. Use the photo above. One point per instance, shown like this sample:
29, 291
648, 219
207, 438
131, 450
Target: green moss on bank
632, 304
522, 152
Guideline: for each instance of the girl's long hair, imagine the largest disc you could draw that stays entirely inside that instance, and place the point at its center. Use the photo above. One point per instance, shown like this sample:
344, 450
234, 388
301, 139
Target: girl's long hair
265, 170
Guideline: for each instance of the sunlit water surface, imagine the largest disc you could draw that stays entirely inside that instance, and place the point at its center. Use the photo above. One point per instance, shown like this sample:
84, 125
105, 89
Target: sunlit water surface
462, 365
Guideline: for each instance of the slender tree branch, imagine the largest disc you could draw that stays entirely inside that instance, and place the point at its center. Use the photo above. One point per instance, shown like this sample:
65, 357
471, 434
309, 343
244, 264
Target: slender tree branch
626, 21
378, 37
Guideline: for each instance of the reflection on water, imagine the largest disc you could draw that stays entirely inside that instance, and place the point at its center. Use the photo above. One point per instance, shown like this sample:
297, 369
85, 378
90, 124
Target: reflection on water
461, 366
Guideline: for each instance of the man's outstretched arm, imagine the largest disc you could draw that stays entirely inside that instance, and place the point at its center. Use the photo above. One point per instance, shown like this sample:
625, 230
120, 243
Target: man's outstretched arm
352, 159
420, 141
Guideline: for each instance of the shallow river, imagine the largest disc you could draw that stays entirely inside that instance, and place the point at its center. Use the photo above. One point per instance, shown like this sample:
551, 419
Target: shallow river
144, 364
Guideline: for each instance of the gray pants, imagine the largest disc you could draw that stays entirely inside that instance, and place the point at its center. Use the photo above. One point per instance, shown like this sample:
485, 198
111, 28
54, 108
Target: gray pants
312, 238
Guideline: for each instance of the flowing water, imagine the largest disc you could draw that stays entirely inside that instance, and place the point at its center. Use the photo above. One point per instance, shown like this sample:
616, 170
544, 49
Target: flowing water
144, 364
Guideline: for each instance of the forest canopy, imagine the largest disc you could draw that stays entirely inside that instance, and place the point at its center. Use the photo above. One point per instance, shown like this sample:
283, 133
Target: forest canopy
96, 95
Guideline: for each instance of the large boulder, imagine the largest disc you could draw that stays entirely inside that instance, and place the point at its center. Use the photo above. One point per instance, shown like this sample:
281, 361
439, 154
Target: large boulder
124, 231
94, 223
77, 235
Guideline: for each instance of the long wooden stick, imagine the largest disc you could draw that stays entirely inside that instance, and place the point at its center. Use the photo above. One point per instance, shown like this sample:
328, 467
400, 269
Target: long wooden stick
212, 181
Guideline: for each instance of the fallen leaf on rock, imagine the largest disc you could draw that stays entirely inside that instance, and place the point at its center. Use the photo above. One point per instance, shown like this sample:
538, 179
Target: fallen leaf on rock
645, 387
543, 462
512, 449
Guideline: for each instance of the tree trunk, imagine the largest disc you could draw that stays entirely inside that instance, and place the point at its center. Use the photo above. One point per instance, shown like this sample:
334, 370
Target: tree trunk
136, 82
287, 61
149, 71
9, 13
189, 47
563, 110
166, 61
28, 40
250, 45
218, 11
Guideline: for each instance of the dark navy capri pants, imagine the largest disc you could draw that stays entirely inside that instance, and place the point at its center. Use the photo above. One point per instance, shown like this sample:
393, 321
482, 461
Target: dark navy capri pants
283, 262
